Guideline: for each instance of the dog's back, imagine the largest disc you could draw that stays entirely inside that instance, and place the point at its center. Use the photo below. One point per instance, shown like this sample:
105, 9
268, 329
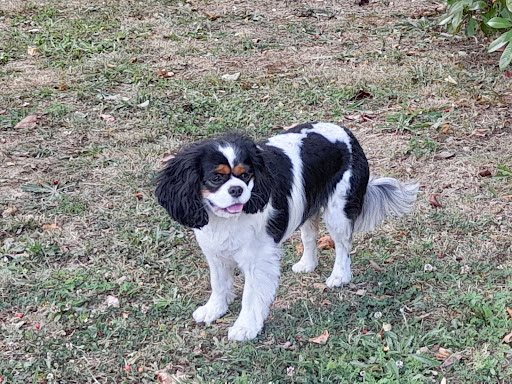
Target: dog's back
309, 163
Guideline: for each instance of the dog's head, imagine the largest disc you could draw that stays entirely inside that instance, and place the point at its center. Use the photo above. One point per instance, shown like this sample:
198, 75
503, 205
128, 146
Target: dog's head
222, 177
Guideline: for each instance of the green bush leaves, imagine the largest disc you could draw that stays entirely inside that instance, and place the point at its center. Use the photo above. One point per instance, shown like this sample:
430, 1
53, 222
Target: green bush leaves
489, 17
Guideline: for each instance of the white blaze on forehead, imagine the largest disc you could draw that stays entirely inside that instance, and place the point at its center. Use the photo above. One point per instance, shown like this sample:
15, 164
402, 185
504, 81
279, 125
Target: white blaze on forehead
229, 153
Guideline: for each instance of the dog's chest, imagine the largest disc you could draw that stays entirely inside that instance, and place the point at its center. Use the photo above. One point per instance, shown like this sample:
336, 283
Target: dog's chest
227, 237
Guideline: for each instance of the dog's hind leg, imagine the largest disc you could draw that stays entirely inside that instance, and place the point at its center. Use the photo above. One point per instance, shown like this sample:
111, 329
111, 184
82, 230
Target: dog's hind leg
308, 234
340, 228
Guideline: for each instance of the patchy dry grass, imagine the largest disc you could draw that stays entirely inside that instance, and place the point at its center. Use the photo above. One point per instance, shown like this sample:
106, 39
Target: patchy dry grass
80, 223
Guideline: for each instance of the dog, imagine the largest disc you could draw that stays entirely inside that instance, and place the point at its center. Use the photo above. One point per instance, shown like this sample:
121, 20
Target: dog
244, 199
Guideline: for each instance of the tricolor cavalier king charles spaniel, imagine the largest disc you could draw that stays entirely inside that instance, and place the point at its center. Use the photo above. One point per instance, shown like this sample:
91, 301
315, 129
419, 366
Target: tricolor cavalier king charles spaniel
244, 199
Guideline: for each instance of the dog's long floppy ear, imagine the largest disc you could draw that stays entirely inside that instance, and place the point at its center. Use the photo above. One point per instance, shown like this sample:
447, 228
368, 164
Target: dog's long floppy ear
179, 188
260, 193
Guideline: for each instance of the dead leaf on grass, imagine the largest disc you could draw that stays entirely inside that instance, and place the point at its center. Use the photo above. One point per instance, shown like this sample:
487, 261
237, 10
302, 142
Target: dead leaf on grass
322, 339
432, 199
231, 77
10, 211
32, 51
509, 311
165, 378
108, 119
421, 317
165, 73
353, 116
138, 195
320, 286
50, 226
452, 359
444, 155
288, 346
485, 173
325, 242
361, 95
29, 121
443, 354
212, 16
178, 377
376, 266
450, 80
299, 248
447, 357
480, 132
112, 301
445, 129
508, 338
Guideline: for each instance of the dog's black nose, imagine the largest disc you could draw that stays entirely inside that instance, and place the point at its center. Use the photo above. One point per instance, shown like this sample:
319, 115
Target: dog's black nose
235, 191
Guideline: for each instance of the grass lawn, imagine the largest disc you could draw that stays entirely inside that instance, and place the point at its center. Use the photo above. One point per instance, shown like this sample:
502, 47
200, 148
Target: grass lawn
97, 285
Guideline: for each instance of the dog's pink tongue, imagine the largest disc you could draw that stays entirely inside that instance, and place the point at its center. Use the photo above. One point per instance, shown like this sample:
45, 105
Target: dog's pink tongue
235, 208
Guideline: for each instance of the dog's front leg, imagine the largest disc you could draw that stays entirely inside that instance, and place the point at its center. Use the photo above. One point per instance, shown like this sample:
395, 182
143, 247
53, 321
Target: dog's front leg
261, 271
221, 280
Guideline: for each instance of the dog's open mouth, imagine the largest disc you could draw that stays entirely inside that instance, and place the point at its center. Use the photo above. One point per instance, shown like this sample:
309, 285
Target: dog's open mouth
235, 208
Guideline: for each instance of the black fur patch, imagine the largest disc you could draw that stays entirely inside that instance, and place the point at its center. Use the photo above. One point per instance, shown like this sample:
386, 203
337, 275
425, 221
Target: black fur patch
280, 176
179, 187
324, 164
358, 181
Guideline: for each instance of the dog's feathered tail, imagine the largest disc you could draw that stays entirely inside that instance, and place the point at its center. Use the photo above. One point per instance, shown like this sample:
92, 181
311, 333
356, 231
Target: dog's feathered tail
385, 197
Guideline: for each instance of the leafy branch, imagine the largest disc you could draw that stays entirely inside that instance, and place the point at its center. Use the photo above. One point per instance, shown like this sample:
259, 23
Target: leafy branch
490, 17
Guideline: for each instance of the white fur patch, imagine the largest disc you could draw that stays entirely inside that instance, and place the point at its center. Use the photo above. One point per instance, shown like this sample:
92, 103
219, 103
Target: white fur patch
255, 253
229, 153
291, 144
331, 132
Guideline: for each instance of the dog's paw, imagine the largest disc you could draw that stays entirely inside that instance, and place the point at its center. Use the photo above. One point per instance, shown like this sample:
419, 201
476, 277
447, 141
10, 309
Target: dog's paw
303, 267
208, 313
242, 333
337, 281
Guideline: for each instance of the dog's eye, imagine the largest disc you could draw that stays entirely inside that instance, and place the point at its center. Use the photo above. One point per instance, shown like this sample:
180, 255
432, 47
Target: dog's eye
218, 178
245, 176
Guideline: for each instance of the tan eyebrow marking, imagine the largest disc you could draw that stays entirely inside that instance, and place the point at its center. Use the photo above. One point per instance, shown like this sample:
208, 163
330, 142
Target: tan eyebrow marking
238, 170
223, 169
